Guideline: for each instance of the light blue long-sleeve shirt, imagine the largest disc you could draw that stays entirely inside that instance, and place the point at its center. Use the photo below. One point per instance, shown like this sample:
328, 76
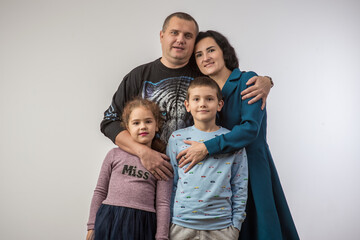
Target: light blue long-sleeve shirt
213, 194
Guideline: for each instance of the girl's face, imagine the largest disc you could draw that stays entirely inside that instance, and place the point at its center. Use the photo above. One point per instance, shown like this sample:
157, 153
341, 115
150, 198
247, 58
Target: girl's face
142, 125
209, 57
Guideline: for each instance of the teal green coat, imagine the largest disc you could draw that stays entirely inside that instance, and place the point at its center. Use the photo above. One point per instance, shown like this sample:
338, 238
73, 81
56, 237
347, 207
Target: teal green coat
268, 215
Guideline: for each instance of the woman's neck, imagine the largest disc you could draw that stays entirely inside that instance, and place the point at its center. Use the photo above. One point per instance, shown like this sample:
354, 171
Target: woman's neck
221, 77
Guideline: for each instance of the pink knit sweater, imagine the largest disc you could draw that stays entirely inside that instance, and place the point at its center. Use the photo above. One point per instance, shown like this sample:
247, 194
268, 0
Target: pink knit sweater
123, 181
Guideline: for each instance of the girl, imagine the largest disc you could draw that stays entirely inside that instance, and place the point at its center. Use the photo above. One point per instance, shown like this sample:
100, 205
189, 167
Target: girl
128, 202
268, 215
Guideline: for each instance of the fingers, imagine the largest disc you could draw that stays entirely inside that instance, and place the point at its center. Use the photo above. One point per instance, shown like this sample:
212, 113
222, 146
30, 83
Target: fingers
167, 169
193, 163
263, 103
167, 165
165, 157
183, 161
189, 142
157, 175
251, 80
163, 172
255, 99
182, 153
246, 91
157, 164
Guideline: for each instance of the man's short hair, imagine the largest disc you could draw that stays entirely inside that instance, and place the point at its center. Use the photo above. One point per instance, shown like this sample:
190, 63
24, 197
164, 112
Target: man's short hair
180, 15
204, 81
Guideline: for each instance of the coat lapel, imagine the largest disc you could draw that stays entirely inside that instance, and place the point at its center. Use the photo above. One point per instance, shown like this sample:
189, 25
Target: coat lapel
231, 83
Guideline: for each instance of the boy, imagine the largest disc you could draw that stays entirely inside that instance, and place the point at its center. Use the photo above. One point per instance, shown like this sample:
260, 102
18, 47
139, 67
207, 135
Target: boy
209, 201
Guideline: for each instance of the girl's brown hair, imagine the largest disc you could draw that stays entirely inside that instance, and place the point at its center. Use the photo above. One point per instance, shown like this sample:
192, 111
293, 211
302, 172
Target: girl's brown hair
156, 144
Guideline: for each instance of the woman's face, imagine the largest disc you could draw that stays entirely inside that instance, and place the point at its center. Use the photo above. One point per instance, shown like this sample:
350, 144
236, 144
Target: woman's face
209, 57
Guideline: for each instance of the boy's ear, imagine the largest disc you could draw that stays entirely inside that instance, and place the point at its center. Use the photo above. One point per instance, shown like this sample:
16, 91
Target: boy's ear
187, 105
220, 105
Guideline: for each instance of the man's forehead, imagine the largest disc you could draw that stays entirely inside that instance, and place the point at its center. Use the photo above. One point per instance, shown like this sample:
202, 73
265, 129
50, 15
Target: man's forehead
176, 23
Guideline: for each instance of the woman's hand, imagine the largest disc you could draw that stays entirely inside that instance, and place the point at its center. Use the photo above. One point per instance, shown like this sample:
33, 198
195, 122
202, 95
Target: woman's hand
90, 234
260, 90
156, 163
194, 154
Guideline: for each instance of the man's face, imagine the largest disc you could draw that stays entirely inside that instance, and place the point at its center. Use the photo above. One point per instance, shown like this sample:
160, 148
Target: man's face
177, 42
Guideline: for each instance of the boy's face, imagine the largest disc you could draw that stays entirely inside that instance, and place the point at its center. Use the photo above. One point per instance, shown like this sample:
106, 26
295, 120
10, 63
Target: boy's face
203, 104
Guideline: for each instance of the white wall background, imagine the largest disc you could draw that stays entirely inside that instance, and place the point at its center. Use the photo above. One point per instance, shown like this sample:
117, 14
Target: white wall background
61, 61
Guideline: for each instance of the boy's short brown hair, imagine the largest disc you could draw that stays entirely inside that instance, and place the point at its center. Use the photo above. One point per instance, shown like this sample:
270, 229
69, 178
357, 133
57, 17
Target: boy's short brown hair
204, 81
180, 15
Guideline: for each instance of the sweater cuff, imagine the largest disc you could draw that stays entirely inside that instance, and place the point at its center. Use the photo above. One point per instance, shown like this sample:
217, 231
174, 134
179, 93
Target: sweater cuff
237, 224
212, 146
90, 227
161, 237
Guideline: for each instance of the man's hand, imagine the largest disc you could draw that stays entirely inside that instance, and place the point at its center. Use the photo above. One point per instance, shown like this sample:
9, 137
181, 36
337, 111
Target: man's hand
260, 90
194, 154
156, 163
90, 234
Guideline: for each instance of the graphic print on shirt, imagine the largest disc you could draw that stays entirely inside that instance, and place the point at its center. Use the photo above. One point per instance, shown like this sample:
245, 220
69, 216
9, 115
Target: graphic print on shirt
132, 171
110, 114
213, 191
170, 95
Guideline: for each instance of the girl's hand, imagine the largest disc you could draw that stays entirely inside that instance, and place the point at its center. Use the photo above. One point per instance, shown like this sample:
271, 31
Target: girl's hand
90, 235
194, 154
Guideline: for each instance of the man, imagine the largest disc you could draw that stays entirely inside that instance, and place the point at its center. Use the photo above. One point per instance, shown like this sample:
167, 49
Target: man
165, 81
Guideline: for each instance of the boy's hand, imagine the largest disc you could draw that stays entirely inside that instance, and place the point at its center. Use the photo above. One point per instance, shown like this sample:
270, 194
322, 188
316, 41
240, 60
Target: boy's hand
90, 235
194, 154
260, 90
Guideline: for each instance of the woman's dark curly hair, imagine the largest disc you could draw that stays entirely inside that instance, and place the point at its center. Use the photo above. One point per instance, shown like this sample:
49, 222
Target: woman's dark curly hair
231, 61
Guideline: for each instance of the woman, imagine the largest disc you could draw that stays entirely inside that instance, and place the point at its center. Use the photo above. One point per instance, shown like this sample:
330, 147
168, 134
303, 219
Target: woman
268, 215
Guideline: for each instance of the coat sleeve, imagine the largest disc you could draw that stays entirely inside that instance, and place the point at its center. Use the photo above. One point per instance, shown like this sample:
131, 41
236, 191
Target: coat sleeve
129, 88
246, 130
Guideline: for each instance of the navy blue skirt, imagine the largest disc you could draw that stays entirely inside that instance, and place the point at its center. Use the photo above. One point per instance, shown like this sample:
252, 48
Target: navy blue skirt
115, 223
